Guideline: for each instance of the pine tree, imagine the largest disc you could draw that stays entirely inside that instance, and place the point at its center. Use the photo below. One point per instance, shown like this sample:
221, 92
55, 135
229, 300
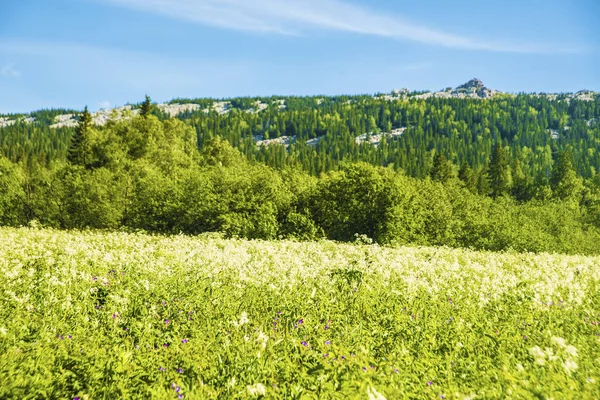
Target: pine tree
499, 172
564, 180
441, 170
146, 107
521, 188
79, 150
468, 177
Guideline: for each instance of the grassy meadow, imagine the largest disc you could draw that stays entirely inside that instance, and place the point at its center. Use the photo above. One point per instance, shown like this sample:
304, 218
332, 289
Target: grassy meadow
99, 315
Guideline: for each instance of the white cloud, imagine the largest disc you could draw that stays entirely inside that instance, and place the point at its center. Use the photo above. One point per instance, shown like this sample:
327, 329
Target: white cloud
10, 71
295, 17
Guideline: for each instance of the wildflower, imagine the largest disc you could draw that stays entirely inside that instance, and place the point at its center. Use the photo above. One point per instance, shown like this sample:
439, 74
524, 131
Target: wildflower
571, 350
184, 341
538, 354
165, 345
161, 369
167, 321
374, 394
559, 341
256, 390
70, 337
327, 342
429, 383
177, 389
180, 370
304, 343
180, 396
569, 366
244, 318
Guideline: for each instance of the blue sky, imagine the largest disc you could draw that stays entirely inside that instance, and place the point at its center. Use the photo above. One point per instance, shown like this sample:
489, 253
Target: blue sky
101, 53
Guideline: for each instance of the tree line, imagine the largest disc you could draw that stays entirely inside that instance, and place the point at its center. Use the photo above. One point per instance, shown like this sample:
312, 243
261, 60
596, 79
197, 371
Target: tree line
163, 175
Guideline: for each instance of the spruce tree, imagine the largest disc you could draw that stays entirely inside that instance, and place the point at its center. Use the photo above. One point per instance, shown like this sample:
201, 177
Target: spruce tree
468, 177
441, 170
564, 180
521, 187
79, 149
499, 172
146, 107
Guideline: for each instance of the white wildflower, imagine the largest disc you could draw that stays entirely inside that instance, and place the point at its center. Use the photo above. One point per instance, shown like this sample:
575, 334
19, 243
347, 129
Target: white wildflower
559, 341
571, 350
538, 354
256, 390
244, 318
374, 394
262, 339
3, 331
569, 366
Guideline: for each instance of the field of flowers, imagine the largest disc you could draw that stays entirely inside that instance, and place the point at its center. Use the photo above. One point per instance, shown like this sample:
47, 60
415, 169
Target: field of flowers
96, 315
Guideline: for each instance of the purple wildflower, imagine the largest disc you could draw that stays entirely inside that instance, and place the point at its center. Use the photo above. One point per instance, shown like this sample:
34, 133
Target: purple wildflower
304, 343
177, 389
184, 341
429, 383
167, 321
180, 370
165, 345
327, 342
161, 369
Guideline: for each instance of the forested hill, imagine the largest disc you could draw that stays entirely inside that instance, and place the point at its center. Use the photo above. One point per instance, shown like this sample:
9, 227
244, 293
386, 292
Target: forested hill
404, 129
464, 167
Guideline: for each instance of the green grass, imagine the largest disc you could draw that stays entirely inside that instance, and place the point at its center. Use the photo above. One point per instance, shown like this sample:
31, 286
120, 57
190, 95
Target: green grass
113, 315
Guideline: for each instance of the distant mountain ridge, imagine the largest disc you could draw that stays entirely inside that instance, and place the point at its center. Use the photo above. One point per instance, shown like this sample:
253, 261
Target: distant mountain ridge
473, 89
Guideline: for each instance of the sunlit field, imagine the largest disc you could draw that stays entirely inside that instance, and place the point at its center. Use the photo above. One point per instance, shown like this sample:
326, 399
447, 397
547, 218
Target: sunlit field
94, 315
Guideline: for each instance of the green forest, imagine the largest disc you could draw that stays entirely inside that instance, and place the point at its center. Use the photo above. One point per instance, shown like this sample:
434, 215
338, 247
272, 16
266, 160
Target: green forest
514, 172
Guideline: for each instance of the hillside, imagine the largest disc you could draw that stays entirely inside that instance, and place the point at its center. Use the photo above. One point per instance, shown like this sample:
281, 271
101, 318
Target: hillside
320, 132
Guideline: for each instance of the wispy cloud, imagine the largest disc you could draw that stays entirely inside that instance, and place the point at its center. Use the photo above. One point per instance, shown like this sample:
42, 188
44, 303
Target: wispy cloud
298, 17
9, 71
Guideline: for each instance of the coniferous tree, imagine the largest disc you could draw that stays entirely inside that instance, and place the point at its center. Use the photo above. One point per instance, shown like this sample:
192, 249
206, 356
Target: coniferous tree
499, 172
521, 187
79, 150
441, 170
468, 177
564, 180
146, 107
